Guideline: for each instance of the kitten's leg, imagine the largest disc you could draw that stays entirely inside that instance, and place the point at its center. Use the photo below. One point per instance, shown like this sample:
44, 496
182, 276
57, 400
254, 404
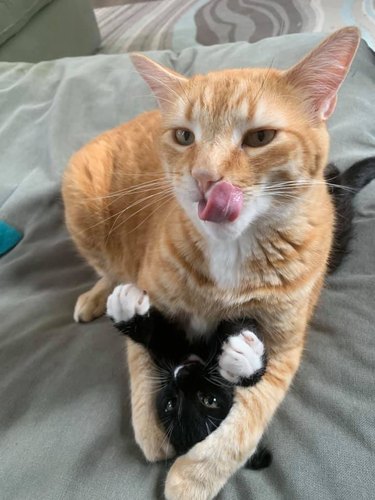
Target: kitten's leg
200, 474
92, 304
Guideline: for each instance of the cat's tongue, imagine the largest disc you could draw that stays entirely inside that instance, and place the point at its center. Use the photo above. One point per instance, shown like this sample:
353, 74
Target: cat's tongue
223, 204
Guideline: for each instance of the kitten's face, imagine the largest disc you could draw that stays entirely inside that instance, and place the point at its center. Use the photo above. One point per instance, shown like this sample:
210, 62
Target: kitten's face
232, 140
191, 404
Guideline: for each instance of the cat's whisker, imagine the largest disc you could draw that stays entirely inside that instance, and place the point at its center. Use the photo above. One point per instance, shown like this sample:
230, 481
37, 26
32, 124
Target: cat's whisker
118, 214
168, 367
152, 213
142, 200
208, 429
262, 87
184, 91
154, 190
210, 359
157, 197
219, 382
302, 183
154, 183
167, 436
153, 392
212, 423
283, 195
153, 378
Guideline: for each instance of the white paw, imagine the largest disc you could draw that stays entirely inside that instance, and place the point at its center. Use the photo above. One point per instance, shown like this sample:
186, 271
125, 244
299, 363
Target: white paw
241, 356
126, 301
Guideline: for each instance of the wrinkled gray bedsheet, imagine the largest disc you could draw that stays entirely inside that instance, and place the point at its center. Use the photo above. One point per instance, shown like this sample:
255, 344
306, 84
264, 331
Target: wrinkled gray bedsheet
65, 428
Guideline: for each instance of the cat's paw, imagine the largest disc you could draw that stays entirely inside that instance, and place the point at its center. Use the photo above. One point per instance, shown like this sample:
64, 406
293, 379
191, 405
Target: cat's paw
91, 304
193, 479
242, 356
126, 301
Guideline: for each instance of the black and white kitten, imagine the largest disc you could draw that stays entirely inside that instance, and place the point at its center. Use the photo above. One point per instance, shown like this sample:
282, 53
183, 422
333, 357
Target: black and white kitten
197, 378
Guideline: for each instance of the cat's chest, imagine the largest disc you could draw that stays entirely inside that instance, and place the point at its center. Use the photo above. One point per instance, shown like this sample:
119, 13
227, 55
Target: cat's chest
252, 262
225, 262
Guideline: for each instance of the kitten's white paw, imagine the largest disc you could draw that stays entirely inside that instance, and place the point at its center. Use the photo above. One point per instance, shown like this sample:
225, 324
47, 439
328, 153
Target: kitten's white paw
126, 301
241, 356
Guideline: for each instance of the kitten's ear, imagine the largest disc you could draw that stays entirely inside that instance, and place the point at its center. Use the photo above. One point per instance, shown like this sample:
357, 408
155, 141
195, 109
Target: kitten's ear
162, 81
319, 75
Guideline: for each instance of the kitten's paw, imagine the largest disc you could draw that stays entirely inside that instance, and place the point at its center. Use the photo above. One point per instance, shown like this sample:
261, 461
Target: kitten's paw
126, 301
242, 357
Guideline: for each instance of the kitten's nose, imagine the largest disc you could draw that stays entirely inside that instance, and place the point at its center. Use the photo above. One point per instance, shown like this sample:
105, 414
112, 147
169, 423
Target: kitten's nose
181, 372
183, 377
205, 178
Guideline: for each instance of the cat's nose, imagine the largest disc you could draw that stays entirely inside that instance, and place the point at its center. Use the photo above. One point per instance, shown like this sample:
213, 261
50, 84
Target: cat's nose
181, 372
183, 377
205, 178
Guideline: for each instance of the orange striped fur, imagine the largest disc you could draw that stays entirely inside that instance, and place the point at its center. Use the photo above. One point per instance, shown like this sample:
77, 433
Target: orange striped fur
130, 204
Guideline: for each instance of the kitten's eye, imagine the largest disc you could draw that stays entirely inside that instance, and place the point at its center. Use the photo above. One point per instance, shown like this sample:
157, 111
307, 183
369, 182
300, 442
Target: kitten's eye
171, 405
208, 400
184, 137
258, 138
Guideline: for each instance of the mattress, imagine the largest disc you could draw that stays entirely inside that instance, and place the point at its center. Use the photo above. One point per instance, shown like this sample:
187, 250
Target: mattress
65, 430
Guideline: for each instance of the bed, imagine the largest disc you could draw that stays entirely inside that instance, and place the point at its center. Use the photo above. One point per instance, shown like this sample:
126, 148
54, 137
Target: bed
65, 411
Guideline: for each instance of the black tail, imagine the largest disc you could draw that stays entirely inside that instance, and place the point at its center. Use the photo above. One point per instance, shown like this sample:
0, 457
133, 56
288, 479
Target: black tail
261, 459
343, 187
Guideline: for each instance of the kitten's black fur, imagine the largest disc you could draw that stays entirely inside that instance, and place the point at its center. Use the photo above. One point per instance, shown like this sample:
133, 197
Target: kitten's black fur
343, 187
189, 421
194, 402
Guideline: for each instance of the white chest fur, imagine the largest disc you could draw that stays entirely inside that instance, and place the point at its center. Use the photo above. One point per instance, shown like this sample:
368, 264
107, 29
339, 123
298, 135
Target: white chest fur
226, 259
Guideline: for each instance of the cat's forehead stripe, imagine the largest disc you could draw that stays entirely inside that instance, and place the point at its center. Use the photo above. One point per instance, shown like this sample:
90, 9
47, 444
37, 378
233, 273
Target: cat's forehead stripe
242, 110
266, 115
239, 97
195, 126
208, 94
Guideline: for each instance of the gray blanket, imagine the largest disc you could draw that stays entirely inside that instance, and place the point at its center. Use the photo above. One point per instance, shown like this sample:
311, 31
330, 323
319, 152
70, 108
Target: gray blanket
64, 404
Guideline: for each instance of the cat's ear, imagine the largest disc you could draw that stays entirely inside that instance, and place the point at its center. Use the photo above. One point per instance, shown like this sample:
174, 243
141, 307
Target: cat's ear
162, 81
319, 75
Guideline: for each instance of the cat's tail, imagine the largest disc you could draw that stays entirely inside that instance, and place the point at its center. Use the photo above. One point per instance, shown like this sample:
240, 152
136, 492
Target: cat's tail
343, 187
261, 459
359, 175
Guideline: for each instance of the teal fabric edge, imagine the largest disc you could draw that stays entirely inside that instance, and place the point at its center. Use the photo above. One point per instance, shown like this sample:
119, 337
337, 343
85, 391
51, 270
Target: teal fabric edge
9, 237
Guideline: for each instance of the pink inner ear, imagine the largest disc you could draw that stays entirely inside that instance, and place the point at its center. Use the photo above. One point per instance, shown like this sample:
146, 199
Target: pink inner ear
319, 75
162, 81
328, 107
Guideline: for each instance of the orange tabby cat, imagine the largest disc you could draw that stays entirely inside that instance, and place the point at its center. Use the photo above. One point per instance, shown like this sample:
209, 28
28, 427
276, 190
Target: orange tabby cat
217, 206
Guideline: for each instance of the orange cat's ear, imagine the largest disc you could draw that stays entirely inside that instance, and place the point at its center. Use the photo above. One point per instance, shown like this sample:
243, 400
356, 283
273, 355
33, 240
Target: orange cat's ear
163, 82
319, 75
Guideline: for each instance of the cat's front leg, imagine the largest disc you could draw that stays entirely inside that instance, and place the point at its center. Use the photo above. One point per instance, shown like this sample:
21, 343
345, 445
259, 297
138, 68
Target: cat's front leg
148, 432
242, 360
125, 302
204, 470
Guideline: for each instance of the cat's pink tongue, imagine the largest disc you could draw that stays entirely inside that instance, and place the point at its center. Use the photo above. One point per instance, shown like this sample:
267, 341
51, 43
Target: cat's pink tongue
224, 203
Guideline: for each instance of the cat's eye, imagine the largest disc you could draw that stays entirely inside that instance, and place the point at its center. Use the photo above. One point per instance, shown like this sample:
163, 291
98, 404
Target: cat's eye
171, 405
258, 138
184, 137
208, 400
